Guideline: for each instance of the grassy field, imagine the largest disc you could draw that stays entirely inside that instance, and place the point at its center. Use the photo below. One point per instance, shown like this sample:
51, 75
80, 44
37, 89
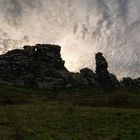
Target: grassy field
72, 114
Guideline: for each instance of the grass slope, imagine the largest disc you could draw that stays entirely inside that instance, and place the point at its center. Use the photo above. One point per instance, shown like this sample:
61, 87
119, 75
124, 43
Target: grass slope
72, 114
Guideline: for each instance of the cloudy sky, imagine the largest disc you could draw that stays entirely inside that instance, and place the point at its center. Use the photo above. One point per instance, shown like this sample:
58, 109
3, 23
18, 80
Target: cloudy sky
81, 27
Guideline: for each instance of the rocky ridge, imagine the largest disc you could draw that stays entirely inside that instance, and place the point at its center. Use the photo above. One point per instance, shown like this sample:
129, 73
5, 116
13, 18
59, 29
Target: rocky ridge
42, 66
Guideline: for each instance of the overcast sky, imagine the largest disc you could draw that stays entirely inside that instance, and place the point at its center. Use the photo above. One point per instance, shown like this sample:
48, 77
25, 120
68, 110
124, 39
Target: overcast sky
81, 27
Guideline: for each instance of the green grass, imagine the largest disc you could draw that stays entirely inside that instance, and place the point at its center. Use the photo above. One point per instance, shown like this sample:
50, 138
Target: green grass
72, 114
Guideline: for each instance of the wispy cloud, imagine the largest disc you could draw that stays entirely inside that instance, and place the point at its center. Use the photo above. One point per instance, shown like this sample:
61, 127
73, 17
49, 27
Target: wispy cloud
82, 27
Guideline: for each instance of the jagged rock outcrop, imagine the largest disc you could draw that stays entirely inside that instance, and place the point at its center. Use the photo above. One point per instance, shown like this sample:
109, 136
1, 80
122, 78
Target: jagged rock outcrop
39, 65
42, 66
131, 83
137, 81
90, 76
104, 78
77, 80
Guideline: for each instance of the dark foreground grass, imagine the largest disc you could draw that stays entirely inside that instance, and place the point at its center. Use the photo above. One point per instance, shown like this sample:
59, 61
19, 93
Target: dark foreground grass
72, 114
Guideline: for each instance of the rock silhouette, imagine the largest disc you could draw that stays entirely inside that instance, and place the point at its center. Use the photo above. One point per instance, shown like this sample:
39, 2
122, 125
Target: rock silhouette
131, 83
39, 65
90, 76
104, 78
42, 66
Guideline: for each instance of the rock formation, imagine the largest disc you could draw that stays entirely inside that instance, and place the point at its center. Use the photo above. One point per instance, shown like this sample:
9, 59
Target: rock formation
39, 65
131, 83
42, 66
90, 76
104, 78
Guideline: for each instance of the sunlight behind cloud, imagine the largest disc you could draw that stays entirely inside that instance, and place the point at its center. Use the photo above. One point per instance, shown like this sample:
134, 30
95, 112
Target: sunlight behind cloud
81, 27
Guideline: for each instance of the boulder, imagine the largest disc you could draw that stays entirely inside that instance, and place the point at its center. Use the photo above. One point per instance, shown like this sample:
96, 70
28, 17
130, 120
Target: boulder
90, 76
77, 80
137, 81
131, 83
